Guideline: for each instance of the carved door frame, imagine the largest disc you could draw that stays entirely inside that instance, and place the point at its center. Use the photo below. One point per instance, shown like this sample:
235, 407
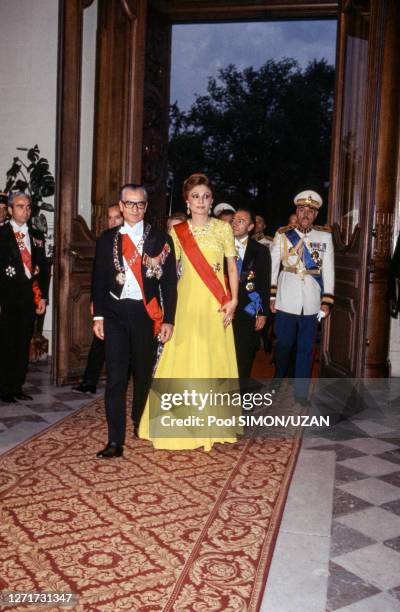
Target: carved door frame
118, 125
121, 146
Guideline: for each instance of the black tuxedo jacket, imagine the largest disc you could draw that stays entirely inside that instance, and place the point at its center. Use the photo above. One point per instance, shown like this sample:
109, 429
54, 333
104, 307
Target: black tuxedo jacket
104, 281
257, 261
14, 284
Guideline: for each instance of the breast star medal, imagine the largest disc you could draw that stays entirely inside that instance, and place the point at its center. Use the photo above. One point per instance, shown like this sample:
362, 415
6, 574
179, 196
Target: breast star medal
316, 258
250, 286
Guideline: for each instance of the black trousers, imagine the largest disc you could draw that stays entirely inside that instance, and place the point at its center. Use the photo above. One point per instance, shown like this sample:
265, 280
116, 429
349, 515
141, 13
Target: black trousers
95, 362
246, 342
17, 318
130, 349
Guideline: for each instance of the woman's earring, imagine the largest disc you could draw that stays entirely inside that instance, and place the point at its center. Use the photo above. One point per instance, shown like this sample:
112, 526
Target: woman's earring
209, 212
187, 208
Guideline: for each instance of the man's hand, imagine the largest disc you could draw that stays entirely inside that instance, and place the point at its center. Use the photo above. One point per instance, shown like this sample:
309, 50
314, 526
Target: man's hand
41, 307
166, 332
272, 306
98, 328
326, 309
260, 322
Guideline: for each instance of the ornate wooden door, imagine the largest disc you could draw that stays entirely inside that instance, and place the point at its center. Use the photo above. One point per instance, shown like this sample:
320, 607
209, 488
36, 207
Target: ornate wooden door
363, 186
117, 159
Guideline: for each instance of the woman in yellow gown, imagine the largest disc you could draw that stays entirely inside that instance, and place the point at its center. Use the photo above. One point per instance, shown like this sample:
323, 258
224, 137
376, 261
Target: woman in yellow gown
202, 345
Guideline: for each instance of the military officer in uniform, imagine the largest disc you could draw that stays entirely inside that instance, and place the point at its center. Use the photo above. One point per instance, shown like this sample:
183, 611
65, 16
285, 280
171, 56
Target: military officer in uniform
302, 292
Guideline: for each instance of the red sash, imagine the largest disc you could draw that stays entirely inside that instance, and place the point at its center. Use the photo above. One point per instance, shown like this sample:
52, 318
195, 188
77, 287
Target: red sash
27, 260
200, 263
134, 260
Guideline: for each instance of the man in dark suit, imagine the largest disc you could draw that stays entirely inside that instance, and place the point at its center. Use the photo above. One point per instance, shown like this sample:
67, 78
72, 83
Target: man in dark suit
134, 300
254, 268
24, 285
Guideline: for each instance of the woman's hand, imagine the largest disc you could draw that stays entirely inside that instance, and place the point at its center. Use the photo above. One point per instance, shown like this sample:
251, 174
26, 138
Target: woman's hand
229, 310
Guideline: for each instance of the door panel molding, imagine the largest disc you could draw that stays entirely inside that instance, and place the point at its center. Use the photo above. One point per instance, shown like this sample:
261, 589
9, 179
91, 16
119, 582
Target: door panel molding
117, 159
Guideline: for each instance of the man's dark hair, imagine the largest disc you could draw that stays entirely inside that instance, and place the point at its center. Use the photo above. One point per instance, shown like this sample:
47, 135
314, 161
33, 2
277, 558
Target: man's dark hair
133, 186
113, 205
249, 212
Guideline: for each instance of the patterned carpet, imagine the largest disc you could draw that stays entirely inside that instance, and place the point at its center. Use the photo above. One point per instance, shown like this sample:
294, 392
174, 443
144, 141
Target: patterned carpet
154, 531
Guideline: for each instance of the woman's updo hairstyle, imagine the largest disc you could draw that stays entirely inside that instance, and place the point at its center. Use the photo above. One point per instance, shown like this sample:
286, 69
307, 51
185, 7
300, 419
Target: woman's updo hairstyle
195, 180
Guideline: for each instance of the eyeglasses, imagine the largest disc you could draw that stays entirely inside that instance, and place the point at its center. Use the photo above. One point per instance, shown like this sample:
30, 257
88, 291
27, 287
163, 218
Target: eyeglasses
130, 204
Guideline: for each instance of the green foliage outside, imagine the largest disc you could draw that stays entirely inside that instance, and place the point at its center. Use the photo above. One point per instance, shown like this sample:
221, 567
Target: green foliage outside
261, 135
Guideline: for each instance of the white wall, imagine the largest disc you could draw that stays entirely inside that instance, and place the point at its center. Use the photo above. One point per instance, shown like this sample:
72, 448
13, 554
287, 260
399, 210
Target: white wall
28, 93
28, 68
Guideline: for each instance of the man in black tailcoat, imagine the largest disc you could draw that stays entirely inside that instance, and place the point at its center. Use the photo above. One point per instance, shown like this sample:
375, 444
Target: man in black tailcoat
24, 285
254, 268
134, 302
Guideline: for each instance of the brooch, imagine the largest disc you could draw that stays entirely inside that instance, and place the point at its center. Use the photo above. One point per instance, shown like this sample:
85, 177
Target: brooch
216, 267
10, 271
250, 286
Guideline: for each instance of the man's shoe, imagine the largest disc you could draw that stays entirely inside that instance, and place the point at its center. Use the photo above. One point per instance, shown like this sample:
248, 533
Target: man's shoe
8, 398
110, 451
84, 388
22, 396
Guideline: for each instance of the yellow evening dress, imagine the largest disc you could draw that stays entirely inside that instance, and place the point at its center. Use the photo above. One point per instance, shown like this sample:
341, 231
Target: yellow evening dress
200, 348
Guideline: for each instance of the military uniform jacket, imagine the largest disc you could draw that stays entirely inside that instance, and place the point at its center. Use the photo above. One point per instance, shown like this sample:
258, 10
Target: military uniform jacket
108, 259
14, 283
296, 290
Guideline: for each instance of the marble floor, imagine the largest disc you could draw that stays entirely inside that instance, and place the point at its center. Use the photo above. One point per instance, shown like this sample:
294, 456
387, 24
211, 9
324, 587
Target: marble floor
338, 547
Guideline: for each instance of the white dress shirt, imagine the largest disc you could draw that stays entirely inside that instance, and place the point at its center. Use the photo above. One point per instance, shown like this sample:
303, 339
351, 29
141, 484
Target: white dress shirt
131, 289
24, 229
241, 244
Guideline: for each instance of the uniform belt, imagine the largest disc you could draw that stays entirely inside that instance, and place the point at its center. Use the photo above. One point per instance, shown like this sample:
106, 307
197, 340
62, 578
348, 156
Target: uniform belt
302, 271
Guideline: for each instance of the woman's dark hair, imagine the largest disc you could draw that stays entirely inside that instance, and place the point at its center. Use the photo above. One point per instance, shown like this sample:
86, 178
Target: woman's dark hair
195, 180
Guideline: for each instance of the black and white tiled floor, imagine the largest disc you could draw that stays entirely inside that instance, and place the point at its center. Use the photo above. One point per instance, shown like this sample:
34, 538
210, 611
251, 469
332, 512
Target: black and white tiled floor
50, 404
339, 544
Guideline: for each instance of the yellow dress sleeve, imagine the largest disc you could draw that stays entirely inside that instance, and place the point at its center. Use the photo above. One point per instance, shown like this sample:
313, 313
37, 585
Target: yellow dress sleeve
177, 244
228, 240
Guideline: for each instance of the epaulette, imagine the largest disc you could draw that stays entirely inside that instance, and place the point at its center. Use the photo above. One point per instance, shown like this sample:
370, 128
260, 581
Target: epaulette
282, 230
270, 238
323, 228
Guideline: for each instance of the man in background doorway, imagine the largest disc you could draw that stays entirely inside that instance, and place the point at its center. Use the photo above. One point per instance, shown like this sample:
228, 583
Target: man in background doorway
254, 269
3, 209
224, 212
96, 357
259, 232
